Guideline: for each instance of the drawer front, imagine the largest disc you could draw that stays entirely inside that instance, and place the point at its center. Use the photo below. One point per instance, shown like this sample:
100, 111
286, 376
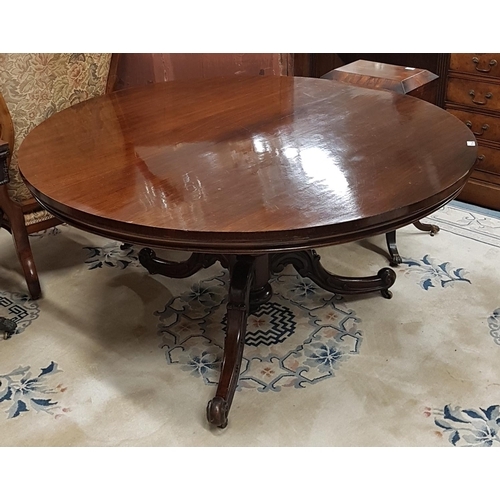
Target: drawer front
481, 193
484, 96
483, 126
488, 160
476, 64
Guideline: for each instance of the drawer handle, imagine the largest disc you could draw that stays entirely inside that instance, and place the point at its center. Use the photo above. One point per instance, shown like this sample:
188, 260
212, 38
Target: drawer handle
489, 95
480, 157
484, 128
492, 63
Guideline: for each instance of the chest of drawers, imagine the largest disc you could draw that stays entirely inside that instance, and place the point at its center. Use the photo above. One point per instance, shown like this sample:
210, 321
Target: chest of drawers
473, 96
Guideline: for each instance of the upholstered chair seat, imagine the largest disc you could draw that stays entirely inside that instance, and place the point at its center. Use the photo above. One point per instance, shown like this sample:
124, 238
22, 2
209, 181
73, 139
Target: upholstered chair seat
32, 88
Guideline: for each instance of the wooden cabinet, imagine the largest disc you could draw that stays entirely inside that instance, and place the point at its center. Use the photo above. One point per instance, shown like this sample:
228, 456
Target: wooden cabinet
473, 96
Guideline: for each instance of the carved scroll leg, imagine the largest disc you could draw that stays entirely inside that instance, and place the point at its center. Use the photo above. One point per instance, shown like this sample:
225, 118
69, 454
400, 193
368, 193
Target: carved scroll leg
394, 259
237, 310
188, 267
431, 228
307, 263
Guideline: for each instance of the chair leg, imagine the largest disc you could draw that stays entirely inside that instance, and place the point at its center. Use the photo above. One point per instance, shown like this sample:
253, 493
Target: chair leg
431, 228
21, 241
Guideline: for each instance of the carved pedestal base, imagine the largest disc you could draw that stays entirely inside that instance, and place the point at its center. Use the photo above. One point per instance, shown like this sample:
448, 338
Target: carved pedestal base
249, 288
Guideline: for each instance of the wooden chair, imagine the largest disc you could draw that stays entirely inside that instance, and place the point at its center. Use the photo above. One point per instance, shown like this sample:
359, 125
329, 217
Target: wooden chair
32, 88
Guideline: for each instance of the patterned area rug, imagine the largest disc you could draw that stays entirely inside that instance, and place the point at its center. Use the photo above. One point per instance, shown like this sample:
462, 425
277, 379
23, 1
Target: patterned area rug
112, 356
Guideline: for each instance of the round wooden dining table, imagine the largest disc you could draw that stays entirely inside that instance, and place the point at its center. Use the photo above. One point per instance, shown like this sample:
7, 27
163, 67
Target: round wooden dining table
251, 172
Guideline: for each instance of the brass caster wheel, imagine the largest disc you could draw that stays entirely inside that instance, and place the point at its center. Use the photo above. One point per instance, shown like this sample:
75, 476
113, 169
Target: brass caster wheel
433, 229
8, 327
395, 260
387, 294
217, 411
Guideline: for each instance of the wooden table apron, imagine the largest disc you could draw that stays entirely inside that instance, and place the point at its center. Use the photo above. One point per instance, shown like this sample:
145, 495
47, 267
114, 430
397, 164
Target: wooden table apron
253, 172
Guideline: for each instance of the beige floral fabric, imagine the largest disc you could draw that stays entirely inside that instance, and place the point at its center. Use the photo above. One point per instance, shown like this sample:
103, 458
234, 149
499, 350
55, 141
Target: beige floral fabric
35, 86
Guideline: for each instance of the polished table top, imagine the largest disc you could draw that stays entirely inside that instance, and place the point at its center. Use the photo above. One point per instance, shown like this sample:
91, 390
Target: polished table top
246, 164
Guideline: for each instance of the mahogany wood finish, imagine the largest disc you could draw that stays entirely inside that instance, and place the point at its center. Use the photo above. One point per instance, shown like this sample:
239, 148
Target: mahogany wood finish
251, 171
195, 263
473, 96
467, 92
476, 64
485, 127
373, 75
238, 308
136, 69
436, 63
177, 155
306, 263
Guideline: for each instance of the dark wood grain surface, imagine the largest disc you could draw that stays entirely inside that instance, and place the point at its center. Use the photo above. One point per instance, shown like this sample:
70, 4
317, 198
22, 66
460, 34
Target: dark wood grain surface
246, 164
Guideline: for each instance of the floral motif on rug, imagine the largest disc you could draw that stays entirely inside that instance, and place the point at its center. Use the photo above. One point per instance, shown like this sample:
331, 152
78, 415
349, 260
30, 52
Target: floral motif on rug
477, 221
113, 254
469, 427
18, 308
300, 337
494, 324
21, 392
432, 274
53, 231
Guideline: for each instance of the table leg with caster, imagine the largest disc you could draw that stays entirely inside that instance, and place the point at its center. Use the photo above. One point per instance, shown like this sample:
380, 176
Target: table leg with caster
432, 229
242, 274
394, 259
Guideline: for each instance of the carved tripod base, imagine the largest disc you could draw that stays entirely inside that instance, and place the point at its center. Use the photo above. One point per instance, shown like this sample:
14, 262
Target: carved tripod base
394, 257
249, 288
